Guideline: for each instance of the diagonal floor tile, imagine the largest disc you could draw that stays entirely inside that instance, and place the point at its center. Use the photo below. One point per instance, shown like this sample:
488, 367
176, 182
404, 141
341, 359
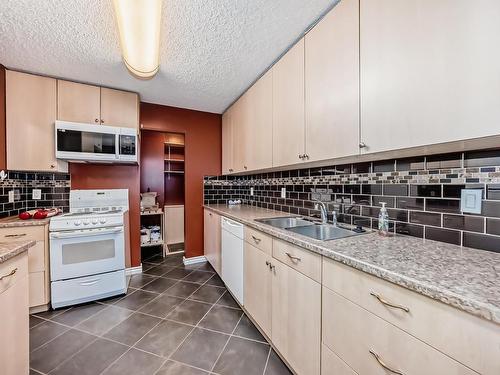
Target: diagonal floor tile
34, 321
182, 289
216, 281
139, 280
208, 293
248, 330
49, 314
198, 276
159, 270
228, 301
78, 314
161, 306
201, 348
159, 285
132, 329
45, 332
177, 273
222, 319
205, 266
164, 338
135, 362
136, 300
275, 365
189, 312
176, 368
242, 356
51, 355
104, 320
93, 359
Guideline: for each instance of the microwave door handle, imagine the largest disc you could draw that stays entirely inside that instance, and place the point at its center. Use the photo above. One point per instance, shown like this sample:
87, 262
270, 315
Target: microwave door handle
85, 234
118, 146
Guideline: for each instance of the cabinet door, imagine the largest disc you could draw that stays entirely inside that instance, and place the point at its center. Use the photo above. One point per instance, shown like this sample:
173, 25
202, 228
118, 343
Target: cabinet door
240, 144
30, 117
288, 107
78, 102
258, 125
429, 72
296, 318
119, 108
257, 284
227, 142
332, 84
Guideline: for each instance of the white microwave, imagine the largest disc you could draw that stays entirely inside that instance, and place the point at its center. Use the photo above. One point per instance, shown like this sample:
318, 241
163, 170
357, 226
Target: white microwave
95, 143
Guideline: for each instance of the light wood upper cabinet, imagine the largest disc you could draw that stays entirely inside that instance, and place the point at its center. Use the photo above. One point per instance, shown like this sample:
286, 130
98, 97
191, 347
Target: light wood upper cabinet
429, 72
212, 239
257, 286
288, 107
240, 133
119, 108
78, 102
227, 142
30, 117
296, 318
258, 124
332, 84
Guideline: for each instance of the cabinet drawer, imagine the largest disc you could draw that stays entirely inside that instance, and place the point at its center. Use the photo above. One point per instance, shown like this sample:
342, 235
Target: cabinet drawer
13, 270
259, 240
37, 289
445, 328
36, 257
358, 336
331, 364
34, 233
300, 259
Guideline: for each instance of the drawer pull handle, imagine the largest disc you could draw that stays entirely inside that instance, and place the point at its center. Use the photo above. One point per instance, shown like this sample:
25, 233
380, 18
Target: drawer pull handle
383, 364
16, 235
387, 303
256, 239
293, 258
11, 273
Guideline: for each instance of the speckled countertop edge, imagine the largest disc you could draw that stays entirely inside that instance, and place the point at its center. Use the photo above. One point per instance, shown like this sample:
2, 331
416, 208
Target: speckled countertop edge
14, 222
467, 301
9, 250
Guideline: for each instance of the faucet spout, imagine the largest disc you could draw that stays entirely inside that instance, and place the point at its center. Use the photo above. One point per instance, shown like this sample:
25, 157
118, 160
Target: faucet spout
322, 207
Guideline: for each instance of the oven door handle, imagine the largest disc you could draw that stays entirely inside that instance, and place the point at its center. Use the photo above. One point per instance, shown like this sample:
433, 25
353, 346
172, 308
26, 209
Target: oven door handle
90, 232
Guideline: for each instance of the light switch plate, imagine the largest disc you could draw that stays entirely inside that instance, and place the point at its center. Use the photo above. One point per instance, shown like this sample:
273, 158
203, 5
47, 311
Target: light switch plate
36, 194
251, 191
471, 201
283, 192
11, 196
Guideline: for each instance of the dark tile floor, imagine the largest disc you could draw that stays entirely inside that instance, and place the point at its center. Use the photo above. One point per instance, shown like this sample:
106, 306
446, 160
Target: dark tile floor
174, 320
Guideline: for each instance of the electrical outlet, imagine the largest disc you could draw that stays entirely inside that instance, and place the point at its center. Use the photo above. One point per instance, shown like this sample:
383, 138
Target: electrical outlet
36, 194
11, 196
283, 192
251, 191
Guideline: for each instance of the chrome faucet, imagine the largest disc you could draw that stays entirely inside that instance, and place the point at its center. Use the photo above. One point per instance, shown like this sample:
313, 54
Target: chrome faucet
334, 218
322, 207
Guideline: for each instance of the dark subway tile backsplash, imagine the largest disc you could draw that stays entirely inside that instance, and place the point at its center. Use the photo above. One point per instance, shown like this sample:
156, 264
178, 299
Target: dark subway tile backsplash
422, 195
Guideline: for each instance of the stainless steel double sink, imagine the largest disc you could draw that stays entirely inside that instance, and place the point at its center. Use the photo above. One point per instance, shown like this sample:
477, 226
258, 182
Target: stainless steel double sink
305, 227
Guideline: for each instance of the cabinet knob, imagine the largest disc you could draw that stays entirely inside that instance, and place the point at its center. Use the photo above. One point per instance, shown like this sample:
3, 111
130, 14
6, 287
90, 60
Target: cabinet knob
231, 169
301, 156
96, 120
102, 121
306, 156
362, 145
52, 166
245, 167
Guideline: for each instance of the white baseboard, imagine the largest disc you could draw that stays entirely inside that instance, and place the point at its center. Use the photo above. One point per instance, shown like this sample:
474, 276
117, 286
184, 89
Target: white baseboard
133, 270
194, 260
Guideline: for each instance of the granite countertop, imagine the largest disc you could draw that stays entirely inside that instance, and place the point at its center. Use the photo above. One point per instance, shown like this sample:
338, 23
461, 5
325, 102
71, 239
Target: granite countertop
465, 278
11, 249
14, 221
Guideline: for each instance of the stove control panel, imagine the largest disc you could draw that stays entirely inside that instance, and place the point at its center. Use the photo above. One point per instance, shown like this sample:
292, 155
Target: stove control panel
68, 223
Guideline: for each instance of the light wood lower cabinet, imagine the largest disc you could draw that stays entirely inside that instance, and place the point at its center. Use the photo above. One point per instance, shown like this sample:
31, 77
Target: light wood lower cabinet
371, 346
331, 364
38, 262
212, 239
258, 287
14, 317
296, 322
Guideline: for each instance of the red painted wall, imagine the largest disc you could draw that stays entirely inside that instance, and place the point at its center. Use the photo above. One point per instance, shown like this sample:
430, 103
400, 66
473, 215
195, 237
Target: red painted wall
101, 176
3, 158
203, 155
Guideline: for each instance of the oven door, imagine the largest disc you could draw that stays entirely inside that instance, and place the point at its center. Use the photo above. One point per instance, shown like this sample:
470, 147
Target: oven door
86, 252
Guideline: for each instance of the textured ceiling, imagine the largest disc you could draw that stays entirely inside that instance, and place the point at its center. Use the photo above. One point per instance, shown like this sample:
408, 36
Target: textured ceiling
211, 50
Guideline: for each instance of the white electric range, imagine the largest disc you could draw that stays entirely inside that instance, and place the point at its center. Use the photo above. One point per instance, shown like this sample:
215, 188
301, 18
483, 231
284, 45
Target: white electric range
87, 248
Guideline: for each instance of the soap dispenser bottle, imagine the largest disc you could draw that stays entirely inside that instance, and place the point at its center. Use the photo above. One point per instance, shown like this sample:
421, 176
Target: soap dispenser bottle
383, 221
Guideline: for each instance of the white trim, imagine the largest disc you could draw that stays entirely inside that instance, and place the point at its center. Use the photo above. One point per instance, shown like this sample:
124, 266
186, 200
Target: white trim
194, 260
133, 270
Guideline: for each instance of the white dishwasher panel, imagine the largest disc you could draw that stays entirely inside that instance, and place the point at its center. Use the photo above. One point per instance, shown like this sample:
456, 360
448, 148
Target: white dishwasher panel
232, 257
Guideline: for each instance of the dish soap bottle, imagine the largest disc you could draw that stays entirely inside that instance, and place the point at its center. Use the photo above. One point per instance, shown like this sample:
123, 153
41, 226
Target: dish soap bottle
383, 221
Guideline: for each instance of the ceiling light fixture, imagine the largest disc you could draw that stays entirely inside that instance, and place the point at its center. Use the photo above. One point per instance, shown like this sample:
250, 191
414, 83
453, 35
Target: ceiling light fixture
139, 27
